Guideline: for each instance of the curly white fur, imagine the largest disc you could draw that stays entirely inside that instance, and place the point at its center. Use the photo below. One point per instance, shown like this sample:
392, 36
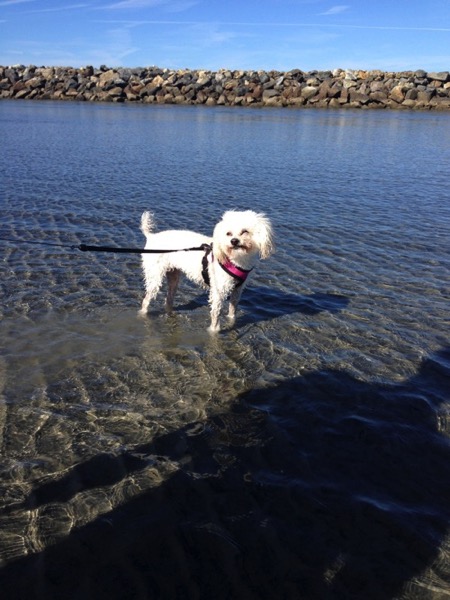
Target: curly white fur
241, 237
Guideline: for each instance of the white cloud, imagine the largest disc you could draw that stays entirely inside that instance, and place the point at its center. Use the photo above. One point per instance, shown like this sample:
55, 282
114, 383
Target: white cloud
131, 4
12, 2
210, 34
181, 5
335, 10
59, 8
114, 48
173, 6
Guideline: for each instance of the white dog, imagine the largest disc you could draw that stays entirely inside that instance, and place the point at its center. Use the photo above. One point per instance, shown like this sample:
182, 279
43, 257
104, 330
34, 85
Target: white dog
224, 265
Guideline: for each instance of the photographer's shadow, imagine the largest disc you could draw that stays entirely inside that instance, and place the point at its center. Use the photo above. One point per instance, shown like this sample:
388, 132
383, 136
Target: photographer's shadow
322, 487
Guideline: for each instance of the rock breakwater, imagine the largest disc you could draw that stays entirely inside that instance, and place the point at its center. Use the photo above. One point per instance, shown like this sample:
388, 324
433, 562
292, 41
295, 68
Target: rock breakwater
334, 89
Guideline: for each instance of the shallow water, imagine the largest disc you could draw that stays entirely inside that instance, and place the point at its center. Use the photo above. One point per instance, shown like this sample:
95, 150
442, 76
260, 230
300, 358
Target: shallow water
302, 454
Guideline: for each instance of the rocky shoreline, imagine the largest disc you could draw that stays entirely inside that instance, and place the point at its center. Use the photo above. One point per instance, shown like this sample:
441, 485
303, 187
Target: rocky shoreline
334, 89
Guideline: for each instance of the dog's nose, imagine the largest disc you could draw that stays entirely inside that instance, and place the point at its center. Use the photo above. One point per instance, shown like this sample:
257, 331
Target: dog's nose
234, 241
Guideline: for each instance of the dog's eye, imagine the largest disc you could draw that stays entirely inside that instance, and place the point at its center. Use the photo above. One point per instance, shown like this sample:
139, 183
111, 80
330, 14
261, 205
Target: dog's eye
229, 233
244, 231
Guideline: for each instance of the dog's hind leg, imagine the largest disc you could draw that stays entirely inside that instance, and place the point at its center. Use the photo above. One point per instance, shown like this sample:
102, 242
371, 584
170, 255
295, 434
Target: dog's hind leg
146, 301
173, 279
152, 287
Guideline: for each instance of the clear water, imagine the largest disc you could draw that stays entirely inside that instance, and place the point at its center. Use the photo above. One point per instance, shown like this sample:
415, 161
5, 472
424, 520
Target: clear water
304, 453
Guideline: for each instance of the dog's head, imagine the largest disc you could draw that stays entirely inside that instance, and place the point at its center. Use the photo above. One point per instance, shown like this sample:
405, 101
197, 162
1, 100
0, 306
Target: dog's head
243, 233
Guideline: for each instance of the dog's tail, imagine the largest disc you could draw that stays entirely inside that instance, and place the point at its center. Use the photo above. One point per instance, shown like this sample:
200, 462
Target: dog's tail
147, 223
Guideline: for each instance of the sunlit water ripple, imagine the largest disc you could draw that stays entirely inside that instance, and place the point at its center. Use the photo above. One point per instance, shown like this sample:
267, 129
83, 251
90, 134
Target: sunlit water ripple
304, 453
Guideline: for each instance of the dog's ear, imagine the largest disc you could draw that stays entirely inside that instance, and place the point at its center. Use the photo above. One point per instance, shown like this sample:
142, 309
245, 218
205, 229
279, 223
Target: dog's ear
264, 236
218, 235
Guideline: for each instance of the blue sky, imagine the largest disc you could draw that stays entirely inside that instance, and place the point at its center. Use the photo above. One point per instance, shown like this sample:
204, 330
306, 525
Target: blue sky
391, 35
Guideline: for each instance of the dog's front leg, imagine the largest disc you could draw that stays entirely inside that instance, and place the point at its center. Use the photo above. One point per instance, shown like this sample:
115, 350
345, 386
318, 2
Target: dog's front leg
234, 300
216, 309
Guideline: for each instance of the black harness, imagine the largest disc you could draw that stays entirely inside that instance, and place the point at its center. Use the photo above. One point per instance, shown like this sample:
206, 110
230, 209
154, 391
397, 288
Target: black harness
205, 261
239, 275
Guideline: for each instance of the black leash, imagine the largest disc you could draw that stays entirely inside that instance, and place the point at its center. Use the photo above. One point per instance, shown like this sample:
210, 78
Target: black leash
88, 248
36, 243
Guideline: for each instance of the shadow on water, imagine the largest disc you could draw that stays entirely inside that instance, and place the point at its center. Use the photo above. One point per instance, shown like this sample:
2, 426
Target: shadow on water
268, 303
322, 487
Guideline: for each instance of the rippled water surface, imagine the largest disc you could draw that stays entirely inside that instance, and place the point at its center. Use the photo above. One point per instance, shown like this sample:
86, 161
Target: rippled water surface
303, 454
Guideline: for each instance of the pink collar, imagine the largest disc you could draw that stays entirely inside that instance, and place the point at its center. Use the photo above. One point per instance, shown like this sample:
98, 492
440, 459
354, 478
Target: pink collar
239, 274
